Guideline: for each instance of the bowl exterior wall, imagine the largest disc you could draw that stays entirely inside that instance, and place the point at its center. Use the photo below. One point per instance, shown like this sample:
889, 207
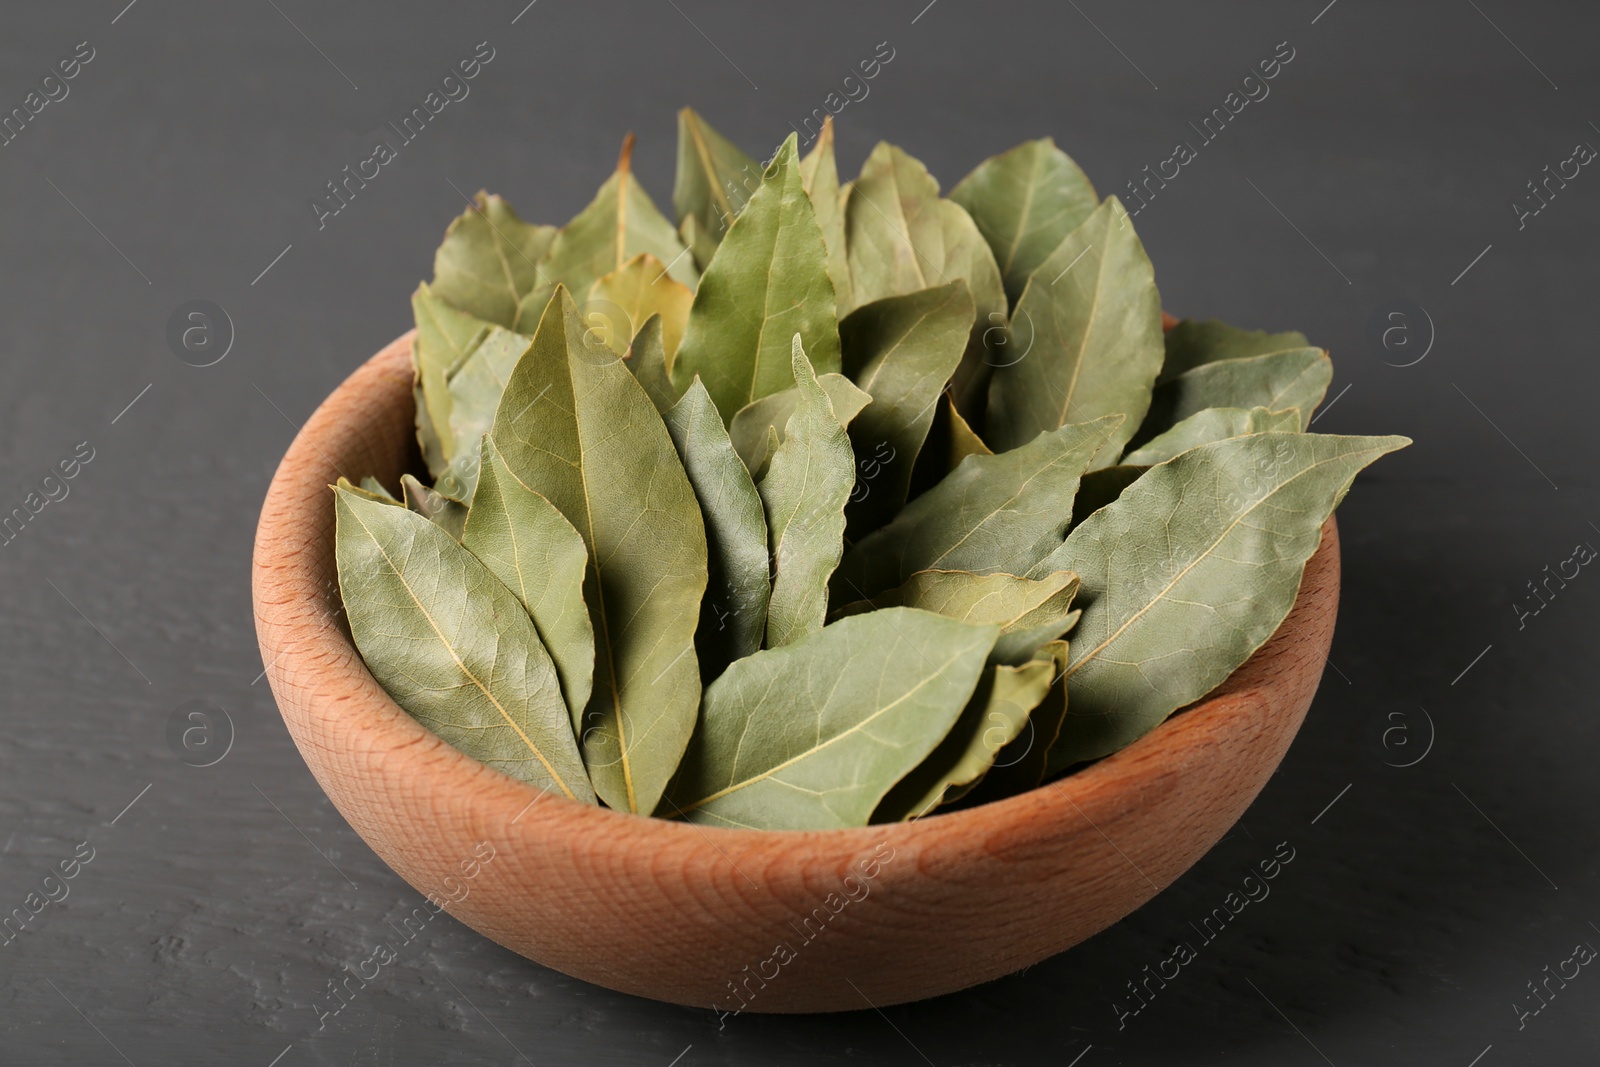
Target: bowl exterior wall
740, 920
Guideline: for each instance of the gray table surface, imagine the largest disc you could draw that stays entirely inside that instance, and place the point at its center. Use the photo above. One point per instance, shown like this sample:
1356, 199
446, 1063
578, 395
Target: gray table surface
1382, 168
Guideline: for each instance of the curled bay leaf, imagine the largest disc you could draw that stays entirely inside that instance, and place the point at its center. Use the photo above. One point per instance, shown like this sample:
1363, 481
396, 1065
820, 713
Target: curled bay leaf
575, 427
768, 282
453, 647
992, 513
733, 616
1212, 424
900, 350
1085, 338
527, 544
803, 493
488, 262
1025, 202
1190, 571
811, 736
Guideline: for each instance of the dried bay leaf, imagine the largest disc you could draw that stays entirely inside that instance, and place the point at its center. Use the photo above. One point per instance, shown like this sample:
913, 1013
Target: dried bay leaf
647, 358
1189, 572
475, 391
1212, 424
1025, 202
733, 616
641, 287
527, 544
618, 224
1020, 765
1089, 325
768, 282
714, 180
452, 646
575, 427
762, 421
1296, 378
449, 515
370, 489
803, 493
995, 716
1023, 608
811, 736
1191, 343
489, 262
901, 350
445, 338
1100, 487
819, 174
894, 230
992, 513
967, 258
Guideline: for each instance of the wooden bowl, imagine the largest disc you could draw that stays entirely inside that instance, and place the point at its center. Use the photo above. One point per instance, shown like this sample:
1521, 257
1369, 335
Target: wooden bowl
736, 920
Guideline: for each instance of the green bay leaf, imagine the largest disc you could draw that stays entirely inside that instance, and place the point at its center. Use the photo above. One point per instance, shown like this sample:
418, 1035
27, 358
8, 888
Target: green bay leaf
733, 617
575, 427
1085, 338
811, 736
768, 281
534, 551
807, 482
1189, 572
1025, 202
992, 513
901, 350
452, 646
1212, 424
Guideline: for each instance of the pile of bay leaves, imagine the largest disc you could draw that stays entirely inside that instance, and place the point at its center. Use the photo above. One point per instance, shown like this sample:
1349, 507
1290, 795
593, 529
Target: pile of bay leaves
782, 516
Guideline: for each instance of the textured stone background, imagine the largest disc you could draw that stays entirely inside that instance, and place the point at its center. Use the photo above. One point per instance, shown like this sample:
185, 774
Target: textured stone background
1385, 159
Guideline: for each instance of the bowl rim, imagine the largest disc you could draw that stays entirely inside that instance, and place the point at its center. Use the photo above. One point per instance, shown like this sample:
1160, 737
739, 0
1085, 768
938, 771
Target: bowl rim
317, 653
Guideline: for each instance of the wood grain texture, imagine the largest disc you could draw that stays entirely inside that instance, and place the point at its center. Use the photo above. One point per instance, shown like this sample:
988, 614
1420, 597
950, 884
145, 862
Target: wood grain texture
693, 915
